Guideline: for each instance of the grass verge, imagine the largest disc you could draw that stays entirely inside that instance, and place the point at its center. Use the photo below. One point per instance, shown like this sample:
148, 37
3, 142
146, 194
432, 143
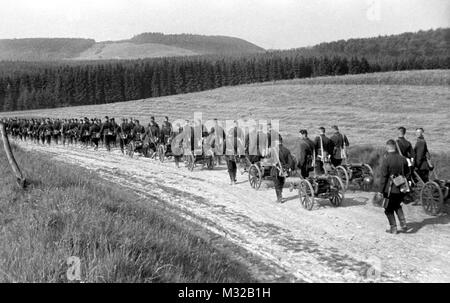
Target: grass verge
69, 211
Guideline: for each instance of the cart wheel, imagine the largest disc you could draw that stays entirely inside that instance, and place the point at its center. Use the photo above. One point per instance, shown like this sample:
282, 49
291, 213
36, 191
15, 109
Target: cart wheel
161, 153
432, 198
306, 194
254, 176
368, 177
337, 191
343, 175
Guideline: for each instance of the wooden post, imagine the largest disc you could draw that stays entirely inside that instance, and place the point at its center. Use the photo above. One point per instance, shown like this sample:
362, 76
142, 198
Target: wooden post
12, 161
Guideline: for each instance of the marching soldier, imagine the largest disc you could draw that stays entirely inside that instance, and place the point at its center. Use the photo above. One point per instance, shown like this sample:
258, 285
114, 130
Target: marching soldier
46, 130
94, 133
422, 156
177, 146
305, 153
116, 129
85, 132
152, 134
107, 132
287, 163
341, 144
394, 165
233, 150
124, 133
57, 131
166, 130
323, 147
404, 147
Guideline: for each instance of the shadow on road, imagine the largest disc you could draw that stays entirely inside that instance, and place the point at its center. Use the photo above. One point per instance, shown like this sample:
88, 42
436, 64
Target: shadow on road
416, 226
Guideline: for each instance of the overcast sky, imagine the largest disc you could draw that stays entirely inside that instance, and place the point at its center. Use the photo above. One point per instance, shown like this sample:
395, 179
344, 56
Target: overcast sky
267, 23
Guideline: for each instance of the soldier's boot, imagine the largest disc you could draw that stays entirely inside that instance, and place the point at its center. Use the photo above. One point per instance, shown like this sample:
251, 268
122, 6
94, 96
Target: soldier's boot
401, 217
392, 223
279, 195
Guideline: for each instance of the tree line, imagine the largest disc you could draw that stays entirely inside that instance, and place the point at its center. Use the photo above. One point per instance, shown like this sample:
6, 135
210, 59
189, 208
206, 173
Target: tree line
48, 85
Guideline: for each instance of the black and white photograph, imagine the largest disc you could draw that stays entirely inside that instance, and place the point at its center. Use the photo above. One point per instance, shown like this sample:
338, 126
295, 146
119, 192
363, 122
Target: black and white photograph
224, 147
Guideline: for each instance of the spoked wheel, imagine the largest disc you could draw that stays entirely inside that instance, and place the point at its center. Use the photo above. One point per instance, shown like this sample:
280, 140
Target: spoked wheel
161, 153
337, 191
368, 177
190, 162
254, 176
432, 198
342, 173
306, 194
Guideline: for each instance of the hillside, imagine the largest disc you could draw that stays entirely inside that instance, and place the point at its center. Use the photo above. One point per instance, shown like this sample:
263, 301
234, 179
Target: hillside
431, 43
148, 45
42, 49
200, 44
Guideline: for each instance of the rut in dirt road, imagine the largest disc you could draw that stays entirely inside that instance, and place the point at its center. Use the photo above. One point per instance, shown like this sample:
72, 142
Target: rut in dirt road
288, 243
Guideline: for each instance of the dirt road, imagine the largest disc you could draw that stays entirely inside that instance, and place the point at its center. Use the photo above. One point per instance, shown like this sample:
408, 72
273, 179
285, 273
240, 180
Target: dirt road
326, 244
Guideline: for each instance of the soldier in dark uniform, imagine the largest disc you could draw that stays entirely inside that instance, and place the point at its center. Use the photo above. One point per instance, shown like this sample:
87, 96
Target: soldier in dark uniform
116, 129
94, 133
138, 135
15, 128
233, 150
340, 143
57, 130
85, 134
46, 132
124, 133
393, 165
176, 146
152, 135
404, 146
288, 163
65, 131
166, 130
323, 149
421, 156
107, 132
305, 153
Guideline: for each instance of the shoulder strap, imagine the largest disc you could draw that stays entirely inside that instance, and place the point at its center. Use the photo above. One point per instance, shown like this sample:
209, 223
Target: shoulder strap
321, 145
398, 147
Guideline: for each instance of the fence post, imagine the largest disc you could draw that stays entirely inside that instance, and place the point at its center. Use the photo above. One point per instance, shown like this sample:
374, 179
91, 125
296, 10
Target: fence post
12, 161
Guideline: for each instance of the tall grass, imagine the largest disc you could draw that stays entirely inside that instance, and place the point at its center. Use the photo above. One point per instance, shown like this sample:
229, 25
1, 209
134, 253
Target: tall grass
69, 211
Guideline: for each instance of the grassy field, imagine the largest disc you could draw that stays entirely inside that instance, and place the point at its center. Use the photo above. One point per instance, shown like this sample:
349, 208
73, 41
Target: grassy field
423, 77
68, 211
367, 113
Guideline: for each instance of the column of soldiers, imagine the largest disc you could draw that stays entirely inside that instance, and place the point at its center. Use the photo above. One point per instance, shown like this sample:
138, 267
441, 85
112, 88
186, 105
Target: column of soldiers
320, 154
87, 132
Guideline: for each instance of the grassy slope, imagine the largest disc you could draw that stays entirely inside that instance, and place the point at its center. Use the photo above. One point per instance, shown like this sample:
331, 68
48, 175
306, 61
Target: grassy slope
422, 77
67, 211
